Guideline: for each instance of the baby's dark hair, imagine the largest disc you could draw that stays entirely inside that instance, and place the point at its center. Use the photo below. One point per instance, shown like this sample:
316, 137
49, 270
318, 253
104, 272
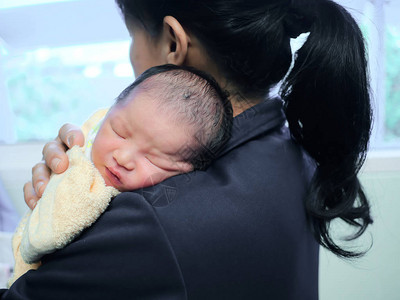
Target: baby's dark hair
194, 99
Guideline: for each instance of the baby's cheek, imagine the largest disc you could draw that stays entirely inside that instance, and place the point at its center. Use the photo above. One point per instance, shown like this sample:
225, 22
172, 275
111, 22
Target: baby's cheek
102, 145
94, 155
153, 177
98, 159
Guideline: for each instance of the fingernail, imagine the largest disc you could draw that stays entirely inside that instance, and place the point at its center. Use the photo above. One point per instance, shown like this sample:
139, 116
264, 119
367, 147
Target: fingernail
38, 186
55, 163
70, 140
32, 204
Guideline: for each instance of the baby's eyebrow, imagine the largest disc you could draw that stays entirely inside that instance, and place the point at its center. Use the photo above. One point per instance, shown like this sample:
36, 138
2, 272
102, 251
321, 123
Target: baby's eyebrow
171, 158
120, 123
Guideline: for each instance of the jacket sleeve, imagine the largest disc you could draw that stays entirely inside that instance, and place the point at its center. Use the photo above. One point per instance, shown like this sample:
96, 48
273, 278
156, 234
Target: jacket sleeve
124, 255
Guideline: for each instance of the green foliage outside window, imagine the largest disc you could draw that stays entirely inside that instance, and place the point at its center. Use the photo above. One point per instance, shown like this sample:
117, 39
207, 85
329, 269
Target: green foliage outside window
41, 96
45, 93
392, 87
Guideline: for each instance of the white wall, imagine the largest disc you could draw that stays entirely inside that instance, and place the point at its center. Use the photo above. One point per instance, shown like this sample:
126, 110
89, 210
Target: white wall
71, 23
377, 275
16, 162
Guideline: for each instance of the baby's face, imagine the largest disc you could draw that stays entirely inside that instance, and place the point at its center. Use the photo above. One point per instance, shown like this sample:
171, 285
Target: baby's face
138, 145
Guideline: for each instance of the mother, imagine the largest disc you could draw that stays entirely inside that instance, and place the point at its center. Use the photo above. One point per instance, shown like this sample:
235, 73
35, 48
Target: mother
247, 227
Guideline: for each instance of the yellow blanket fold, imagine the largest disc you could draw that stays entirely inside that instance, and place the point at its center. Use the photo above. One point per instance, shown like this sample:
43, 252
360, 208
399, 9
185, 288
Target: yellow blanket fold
71, 202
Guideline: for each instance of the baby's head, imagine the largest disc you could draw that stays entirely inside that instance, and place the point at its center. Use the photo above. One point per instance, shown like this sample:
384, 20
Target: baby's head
171, 120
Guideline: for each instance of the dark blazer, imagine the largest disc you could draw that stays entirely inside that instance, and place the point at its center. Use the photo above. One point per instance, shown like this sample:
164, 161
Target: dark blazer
236, 231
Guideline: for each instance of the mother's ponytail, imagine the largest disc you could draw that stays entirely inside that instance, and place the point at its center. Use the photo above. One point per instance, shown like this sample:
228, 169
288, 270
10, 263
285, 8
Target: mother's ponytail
326, 94
328, 108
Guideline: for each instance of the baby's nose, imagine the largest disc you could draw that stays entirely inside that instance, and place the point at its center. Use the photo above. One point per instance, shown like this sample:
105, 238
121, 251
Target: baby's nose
125, 159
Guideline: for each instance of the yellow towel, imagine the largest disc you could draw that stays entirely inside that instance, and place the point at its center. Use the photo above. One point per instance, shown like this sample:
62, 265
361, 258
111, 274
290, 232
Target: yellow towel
71, 202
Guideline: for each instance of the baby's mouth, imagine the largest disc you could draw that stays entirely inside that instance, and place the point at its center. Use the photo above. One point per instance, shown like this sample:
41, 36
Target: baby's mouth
113, 176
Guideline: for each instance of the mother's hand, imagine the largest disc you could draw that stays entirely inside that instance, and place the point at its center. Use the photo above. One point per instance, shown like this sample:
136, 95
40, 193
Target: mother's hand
54, 160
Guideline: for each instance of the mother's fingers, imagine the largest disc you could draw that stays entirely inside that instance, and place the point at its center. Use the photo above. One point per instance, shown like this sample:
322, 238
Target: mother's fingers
40, 178
71, 135
55, 157
54, 152
30, 196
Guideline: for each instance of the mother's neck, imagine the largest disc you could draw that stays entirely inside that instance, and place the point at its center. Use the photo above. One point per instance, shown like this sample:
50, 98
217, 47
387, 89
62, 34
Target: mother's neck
240, 104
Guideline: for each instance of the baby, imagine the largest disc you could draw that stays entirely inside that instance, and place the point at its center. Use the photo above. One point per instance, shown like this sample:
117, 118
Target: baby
170, 121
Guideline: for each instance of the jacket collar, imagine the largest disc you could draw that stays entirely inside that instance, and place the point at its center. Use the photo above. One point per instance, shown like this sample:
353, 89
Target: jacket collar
260, 119
257, 120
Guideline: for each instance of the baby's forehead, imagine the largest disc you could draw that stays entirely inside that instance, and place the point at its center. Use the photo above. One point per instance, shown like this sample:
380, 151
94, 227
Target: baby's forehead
139, 101
160, 104
150, 107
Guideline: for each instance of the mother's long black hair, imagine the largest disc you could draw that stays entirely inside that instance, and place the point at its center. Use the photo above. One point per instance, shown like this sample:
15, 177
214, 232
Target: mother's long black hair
326, 94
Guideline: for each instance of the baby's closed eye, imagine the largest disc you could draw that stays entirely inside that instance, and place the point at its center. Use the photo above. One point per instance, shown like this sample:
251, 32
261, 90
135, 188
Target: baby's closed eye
164, 163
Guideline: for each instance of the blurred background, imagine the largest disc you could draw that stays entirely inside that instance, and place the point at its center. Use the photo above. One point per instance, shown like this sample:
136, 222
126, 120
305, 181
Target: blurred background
60, 60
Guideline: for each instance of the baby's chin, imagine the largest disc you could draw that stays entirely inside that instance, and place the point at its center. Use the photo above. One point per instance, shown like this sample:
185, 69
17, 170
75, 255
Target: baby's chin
130, 188
108, 183
120, 186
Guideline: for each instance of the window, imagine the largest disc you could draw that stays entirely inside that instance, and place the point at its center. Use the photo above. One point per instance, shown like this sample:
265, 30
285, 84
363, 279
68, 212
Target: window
379, 21
48, 87
62, 59
391, 81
